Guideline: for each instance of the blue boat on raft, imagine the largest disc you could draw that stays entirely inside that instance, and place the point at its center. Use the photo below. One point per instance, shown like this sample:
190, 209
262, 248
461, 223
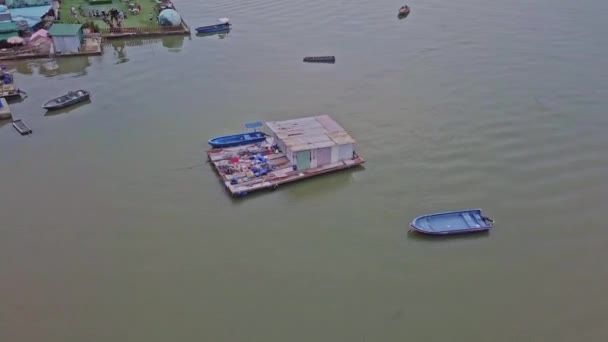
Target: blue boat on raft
452, 222
239, 139
224, 26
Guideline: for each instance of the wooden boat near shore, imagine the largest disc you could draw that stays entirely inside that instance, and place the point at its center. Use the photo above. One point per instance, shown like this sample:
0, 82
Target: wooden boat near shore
71, 98
452, 222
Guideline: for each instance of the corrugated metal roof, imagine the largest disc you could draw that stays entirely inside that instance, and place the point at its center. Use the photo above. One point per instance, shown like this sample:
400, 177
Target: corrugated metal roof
64, 29
5, 36
310, 133
31, 15
8, 26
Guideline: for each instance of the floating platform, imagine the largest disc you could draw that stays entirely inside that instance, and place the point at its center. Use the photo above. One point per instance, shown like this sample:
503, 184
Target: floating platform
247, 168
5, 110
21, 127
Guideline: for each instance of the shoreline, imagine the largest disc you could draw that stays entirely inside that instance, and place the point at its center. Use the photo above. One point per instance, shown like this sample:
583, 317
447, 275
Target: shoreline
98, 38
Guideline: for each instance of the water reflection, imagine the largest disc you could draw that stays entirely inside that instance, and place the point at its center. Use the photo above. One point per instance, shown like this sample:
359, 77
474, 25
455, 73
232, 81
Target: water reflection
173, 43
75, 65
119, 51
16, 99
66, 65
120, 46
220, 35
24, 69
78, 65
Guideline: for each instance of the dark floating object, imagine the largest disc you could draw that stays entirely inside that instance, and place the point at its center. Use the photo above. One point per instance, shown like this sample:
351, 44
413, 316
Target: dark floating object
21, 127
452, 222
320, 59
404, 11
71, 98
224, 26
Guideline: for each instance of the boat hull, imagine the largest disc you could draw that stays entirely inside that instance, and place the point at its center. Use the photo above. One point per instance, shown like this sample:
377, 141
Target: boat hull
213, 28
56, 104
452, 222
237, 139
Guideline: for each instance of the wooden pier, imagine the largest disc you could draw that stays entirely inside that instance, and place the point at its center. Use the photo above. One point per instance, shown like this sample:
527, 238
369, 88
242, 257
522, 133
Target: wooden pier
247, 168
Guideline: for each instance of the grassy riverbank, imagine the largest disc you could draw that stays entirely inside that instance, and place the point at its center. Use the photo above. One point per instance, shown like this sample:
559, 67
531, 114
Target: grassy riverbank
83, 8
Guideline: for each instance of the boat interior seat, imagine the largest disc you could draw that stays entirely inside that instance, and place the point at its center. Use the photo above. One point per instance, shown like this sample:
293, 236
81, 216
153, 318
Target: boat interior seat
467, 217
478, 217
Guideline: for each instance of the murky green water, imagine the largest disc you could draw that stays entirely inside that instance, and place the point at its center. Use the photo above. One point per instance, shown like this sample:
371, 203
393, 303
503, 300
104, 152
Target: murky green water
113, 228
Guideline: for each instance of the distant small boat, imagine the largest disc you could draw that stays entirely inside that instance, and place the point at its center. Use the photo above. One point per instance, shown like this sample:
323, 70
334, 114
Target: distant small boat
320, 59
68, 99
404, 10
239, 139
21, 127
452, 222
225, 25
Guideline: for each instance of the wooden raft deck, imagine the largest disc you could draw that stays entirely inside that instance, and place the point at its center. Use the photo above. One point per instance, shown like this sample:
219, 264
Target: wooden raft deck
280, 172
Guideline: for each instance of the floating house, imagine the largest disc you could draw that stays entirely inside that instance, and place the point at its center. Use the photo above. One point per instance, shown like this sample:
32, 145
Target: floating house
41, 41
67, 38
312, 142
40, 34
294, 150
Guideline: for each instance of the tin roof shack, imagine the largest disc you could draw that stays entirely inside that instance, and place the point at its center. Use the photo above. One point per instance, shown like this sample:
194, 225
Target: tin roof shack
313, 142
67, 38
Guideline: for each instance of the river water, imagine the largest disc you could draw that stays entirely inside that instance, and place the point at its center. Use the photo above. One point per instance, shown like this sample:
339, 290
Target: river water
114, 228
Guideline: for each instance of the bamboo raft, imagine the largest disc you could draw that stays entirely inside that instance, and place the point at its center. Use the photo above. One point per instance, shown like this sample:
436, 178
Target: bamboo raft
21, 127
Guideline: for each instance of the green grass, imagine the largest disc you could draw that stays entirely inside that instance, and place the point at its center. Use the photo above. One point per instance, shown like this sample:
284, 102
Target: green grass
138, 20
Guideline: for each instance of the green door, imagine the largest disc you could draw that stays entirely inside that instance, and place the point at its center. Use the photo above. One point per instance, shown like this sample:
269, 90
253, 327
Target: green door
303, 160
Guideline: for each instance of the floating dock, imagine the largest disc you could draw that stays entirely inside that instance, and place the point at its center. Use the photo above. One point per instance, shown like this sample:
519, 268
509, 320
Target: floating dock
294, 150
21, 127
5, 110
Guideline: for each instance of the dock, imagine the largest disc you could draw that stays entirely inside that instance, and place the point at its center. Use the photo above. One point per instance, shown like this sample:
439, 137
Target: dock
5, 110
293, 150
21, 127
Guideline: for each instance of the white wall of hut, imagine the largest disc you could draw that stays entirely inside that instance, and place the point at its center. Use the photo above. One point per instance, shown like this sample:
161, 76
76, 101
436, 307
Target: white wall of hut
320, 156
